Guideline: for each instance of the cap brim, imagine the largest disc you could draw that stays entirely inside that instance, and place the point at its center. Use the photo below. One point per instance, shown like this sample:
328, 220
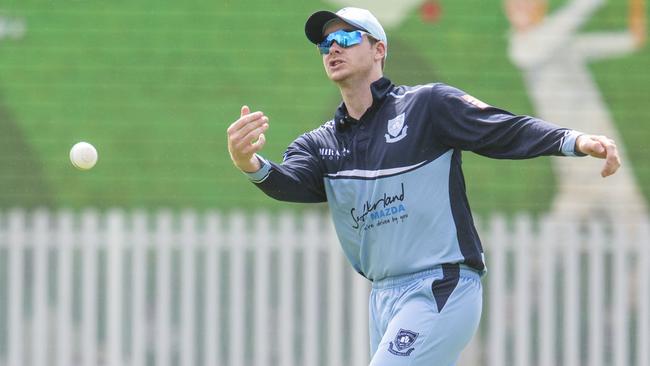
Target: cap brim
315, 23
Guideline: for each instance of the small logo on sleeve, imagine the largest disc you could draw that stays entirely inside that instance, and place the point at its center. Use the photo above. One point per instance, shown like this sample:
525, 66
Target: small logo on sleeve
396, 129
477, 103
402, 345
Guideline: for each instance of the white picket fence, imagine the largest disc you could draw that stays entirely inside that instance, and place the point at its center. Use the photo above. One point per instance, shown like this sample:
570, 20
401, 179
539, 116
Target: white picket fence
137, 288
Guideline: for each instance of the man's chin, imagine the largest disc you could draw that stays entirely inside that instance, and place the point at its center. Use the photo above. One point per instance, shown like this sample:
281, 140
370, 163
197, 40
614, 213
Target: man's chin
338, 77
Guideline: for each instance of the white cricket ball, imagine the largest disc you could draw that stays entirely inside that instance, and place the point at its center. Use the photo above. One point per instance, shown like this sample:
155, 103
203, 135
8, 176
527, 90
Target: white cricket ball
83, 155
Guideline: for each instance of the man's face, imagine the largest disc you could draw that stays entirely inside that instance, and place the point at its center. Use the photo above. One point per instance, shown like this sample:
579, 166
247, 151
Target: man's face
343, 63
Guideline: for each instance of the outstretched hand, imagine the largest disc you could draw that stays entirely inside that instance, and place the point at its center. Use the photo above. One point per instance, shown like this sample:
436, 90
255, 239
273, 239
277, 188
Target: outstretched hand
245, 138
600, 147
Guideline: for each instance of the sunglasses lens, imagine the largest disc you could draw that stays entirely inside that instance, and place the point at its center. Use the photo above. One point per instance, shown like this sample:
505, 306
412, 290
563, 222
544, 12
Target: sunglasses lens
342, 38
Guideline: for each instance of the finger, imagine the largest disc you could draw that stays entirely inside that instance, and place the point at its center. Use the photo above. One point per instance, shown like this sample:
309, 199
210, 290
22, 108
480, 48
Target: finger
254, 147
259, 144
606, 145
245, 110
242, 142
596, 147
593, 146
244, 120
254, 135
612, 161
599, 149
246, 129
609, 169
261, 140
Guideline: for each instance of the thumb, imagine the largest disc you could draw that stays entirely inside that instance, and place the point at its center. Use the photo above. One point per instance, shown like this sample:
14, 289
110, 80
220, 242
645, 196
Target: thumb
598, 147
245, 110
592, 146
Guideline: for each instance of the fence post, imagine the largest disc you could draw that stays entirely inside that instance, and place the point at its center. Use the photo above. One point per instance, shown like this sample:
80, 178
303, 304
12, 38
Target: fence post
287, 244
643, 273
620, 294
522, 242
65, 241
39, 336
114, 252
595, 241
140, 316
262, 283
497, 277
571, 245
188, 241
89, 244
547, 293
16, 239
162, 243
238, 243
212, 240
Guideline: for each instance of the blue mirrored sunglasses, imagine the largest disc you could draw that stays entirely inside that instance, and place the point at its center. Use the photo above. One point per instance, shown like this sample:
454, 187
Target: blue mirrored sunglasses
343, 38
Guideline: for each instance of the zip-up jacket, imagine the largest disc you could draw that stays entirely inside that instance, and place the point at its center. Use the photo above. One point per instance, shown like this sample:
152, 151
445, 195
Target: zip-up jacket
393, 179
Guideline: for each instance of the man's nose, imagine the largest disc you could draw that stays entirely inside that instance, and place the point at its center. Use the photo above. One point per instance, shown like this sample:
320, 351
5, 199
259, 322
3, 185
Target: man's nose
335, 48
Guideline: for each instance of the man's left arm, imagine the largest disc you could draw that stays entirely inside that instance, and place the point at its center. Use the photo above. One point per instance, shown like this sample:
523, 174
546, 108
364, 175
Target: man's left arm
466, 123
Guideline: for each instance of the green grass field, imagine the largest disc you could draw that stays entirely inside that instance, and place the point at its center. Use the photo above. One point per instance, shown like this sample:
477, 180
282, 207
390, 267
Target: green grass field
154, 86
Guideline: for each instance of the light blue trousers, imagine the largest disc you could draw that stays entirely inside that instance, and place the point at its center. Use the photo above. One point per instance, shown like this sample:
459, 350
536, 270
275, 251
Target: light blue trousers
425, 318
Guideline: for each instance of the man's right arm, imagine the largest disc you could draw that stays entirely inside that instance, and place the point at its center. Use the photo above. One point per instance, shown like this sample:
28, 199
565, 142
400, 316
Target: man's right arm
297, 179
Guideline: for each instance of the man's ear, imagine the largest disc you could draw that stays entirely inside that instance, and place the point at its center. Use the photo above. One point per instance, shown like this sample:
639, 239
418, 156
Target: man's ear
381, 50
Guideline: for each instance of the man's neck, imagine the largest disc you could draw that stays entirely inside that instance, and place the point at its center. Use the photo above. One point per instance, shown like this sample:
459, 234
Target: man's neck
357, 96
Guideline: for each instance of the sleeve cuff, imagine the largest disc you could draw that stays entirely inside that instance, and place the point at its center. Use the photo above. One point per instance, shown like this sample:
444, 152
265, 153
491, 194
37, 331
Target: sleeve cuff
260, 175
569, 143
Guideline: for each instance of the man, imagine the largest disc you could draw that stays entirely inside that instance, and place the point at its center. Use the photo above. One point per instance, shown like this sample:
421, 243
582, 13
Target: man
389, 166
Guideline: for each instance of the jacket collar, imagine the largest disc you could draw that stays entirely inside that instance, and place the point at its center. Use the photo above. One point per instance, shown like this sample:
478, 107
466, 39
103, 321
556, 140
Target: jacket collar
379, 89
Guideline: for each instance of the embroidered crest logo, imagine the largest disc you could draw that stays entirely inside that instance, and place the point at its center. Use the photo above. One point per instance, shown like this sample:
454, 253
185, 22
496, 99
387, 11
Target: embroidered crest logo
396, 129
401, 346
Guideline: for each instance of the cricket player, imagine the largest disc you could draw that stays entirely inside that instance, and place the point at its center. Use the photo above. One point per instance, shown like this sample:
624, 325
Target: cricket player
389, 166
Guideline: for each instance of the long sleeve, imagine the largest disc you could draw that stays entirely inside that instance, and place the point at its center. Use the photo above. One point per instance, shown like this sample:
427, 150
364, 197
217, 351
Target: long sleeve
297, 179
464, 122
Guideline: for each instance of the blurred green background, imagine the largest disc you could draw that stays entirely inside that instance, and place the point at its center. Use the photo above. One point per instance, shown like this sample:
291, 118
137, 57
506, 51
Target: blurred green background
154, 85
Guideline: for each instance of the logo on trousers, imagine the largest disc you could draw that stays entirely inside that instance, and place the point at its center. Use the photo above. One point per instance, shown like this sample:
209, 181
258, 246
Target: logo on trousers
401, 346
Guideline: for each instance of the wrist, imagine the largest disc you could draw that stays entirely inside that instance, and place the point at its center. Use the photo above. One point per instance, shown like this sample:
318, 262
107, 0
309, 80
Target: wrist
251, 166
577, 148
261, 173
